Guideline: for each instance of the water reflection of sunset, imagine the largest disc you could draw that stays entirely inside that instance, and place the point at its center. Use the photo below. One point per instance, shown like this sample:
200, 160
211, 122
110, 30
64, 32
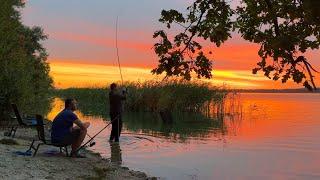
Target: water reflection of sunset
274, 131
260, 115
275, 115
57, 106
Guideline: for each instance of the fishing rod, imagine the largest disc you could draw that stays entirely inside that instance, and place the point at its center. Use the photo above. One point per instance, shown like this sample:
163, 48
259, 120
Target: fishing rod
91, 139
92, 143
118, 58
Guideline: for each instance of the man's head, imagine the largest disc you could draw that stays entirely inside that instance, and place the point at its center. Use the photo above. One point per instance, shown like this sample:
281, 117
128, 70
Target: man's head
71, 104
113, 86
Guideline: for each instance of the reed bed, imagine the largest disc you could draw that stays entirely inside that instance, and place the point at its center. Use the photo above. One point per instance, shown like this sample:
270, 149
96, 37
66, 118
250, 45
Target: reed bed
153, 96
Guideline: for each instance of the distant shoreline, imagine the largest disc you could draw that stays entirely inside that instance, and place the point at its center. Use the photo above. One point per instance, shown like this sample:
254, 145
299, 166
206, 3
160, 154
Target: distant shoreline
302, 90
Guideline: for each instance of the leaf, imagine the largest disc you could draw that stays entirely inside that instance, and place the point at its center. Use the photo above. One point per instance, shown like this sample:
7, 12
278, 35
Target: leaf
307, 85
255, 70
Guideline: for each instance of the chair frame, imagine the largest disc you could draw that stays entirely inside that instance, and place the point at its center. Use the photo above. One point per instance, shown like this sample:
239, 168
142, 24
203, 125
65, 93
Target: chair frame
43, 141
21, 122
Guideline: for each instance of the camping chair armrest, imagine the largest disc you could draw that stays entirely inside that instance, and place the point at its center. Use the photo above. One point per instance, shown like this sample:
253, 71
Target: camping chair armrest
13, 118
28, 116
48, 122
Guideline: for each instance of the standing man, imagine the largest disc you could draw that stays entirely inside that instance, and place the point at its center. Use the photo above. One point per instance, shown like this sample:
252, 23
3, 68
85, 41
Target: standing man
116, 99
64, 133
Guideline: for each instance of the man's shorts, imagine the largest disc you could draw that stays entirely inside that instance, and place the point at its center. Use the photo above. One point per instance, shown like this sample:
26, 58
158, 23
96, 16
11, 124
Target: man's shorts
72, 137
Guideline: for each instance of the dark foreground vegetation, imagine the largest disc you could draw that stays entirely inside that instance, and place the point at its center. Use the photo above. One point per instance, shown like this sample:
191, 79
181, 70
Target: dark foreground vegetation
24, 72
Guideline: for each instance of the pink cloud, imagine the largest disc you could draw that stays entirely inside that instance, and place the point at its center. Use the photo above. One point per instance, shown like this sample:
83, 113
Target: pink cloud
102, 41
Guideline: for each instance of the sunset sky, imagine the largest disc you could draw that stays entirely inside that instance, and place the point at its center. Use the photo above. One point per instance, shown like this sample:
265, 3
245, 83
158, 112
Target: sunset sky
82, 50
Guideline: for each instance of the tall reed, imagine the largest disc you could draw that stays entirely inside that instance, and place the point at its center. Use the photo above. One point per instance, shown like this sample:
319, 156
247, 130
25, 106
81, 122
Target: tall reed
153, 96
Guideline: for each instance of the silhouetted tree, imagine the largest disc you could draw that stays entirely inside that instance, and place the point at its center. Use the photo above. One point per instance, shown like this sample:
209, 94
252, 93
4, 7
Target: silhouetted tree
24, 72
284, 29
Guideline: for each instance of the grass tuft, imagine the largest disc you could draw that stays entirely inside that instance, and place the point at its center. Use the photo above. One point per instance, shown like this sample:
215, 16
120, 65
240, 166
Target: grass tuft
8, 142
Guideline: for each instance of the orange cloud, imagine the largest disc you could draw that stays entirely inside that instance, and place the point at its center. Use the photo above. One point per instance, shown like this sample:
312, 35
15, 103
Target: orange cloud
234, 56
85, 75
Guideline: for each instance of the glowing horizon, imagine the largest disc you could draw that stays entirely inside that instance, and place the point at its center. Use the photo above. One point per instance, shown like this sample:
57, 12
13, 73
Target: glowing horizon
82, 52
68, 75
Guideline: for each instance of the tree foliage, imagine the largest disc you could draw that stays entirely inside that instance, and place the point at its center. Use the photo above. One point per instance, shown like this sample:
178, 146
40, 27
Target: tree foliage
284, 29
24, 72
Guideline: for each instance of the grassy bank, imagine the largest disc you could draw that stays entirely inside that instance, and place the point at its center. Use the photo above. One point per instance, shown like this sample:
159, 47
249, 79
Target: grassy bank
152, 96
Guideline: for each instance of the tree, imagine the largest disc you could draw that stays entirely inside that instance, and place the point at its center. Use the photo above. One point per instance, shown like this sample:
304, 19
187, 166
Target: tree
284, 29
24, 76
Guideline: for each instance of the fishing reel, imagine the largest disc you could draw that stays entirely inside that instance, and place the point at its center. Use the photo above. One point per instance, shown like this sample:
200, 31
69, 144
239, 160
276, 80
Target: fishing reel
92, 143
124, 90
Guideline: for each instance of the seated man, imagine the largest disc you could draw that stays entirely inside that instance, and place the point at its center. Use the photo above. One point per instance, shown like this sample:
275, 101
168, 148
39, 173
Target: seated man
63, 131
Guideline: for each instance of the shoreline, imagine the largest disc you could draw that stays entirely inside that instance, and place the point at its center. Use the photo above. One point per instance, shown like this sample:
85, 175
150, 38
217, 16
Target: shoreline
50, 164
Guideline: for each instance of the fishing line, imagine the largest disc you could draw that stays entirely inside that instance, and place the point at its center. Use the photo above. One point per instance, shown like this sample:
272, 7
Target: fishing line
92, 143
118, 58
92, 138
118, 116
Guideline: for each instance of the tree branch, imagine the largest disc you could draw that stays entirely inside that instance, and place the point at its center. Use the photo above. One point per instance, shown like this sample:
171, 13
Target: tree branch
194, 33
275, 20
309, 68
310, 75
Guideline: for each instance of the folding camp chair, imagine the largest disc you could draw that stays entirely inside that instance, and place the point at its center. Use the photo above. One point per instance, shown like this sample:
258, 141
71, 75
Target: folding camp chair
26, 122
42, 139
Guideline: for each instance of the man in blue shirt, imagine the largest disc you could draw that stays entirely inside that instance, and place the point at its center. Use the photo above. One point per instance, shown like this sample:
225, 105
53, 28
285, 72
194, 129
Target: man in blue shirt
63, 132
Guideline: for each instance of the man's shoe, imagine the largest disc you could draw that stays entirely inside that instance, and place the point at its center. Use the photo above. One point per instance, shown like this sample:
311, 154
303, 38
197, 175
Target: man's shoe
80, 156
77, 155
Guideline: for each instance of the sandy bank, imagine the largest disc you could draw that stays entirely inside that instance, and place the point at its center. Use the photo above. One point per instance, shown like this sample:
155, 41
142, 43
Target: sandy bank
56, 166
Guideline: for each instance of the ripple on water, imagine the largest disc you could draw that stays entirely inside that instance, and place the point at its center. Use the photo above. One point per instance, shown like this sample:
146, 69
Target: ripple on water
139, 142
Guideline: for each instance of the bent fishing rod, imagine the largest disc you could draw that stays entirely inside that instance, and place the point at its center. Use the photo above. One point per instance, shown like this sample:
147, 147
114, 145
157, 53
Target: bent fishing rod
118, 58
92, 143
119, 66
92, 138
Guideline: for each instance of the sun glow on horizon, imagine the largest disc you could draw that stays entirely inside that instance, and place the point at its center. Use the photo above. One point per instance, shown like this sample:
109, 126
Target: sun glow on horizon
68, 75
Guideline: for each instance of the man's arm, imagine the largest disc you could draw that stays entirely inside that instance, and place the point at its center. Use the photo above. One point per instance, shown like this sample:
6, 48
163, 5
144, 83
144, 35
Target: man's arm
123, 95
82, 125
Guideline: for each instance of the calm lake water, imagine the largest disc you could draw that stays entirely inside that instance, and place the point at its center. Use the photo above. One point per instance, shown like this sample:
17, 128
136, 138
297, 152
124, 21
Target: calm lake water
266, 136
